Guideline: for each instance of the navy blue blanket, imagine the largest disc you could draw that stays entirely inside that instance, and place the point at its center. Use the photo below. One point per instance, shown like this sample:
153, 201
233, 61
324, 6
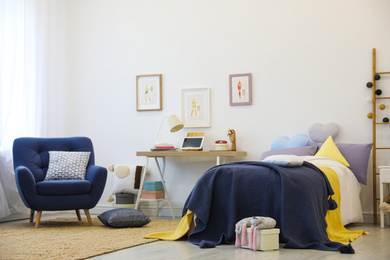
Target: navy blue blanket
296, 197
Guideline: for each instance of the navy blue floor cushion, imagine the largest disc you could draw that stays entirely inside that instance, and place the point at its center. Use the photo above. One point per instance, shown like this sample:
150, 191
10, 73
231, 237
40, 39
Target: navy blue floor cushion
122, 218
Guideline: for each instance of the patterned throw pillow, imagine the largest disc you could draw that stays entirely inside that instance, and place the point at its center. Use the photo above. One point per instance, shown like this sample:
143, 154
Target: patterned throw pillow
67, 165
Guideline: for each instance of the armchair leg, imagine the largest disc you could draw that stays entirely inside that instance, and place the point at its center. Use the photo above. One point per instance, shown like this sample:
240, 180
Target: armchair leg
86, 211
38, 220
31, 216
78, 214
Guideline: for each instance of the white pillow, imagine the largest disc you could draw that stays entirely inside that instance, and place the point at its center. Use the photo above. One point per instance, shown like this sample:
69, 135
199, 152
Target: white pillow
284, 160
67, 165
126, 179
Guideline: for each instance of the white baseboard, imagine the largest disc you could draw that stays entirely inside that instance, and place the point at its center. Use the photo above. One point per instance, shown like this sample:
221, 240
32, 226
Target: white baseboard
368, 217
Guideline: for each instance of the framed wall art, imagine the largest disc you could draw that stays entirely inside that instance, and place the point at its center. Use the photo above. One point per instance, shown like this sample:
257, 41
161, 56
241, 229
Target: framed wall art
195, 107
240, 92
149, 92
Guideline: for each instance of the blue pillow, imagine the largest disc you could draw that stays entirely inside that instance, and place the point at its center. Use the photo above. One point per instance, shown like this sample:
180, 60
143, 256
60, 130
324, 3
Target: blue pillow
285, 142
122, 218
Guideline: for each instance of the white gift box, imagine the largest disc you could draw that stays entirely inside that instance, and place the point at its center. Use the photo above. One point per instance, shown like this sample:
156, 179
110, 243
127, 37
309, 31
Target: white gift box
267, 239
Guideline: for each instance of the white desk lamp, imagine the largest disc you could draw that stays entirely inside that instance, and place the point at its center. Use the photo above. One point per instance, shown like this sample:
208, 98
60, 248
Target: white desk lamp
174, 125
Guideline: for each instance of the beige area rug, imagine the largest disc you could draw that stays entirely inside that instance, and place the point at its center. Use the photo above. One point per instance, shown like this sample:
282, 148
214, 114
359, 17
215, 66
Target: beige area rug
68, 238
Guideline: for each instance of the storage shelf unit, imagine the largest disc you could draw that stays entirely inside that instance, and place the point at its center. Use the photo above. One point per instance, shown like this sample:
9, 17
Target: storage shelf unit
375, 171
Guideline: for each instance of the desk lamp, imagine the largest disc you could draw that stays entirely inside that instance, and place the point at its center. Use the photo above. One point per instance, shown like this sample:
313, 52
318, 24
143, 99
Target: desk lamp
174, 125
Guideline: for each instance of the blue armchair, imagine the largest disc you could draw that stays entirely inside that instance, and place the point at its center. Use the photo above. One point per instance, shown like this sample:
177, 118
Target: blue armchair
31, 162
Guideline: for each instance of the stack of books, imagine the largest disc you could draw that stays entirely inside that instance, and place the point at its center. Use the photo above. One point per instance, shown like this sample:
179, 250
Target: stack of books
163, 147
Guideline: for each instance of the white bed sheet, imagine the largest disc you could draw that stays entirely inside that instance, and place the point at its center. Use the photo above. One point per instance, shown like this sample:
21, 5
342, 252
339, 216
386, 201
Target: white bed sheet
350, 208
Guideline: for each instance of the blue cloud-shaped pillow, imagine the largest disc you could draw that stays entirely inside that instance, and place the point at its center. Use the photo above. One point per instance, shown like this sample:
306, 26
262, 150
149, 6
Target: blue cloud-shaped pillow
286, 142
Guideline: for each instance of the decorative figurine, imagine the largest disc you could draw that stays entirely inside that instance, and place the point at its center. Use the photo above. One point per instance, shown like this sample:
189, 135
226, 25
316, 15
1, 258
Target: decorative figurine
232, 138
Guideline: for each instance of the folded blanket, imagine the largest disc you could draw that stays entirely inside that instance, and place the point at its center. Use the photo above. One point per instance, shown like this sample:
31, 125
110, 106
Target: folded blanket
181, 230
286, 160
335, 230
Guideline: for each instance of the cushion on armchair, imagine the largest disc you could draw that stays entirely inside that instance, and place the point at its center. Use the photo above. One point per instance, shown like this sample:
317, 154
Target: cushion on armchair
67, 165
64, 187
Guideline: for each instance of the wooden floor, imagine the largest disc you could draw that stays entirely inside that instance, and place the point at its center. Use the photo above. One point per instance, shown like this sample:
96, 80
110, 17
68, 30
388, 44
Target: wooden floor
374, 246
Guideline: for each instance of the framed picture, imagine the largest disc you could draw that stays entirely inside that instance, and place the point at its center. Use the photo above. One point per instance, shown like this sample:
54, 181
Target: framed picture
240, 89
149, 92
195, 107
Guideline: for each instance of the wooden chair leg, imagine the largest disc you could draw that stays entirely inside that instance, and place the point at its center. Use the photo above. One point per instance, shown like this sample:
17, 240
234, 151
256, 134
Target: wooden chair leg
88, 217
38, 220
31, 215
78, 214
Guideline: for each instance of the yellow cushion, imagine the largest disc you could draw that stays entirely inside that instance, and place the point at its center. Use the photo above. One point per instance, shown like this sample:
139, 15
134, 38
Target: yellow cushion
330, 150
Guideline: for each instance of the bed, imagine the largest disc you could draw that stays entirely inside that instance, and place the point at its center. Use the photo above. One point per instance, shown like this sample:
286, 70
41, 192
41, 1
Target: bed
299, 198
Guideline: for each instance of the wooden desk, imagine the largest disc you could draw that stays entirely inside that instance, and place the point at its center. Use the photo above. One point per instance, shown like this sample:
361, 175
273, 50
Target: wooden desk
164, 154
217, 154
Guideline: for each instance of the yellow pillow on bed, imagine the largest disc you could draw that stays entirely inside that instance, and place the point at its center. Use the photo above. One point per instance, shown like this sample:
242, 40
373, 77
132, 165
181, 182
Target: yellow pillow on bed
330, 150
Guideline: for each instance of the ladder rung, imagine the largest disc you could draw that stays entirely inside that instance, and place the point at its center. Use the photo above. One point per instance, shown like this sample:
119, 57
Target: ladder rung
382, 123
382, 148
388, 72
383, 98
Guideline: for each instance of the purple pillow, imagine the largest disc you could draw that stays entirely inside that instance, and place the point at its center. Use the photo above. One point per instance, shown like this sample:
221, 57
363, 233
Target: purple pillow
357, 155
299, 151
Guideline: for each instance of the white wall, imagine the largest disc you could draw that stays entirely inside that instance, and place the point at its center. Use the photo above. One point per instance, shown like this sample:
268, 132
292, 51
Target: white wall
309, 59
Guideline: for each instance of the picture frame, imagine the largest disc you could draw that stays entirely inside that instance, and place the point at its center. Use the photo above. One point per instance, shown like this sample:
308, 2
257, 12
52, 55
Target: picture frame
149, 92
195, 107
240, 89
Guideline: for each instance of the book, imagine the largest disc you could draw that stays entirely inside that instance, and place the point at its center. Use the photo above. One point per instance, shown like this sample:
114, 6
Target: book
163, 149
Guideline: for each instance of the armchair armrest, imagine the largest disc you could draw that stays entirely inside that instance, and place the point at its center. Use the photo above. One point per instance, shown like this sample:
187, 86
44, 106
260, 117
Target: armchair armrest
26, 184
97, 175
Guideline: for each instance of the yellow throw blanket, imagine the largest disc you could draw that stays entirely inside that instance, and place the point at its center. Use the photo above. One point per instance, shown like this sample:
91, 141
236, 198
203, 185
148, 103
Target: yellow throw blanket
181, 230
336, 231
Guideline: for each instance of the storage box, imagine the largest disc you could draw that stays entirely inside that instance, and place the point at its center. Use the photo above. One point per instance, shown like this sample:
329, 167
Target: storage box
267, 239
153, 194
124, 198
153, 185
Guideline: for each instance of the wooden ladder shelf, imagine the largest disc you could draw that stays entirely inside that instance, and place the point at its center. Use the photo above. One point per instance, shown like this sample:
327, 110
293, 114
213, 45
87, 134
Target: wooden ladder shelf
375, 123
